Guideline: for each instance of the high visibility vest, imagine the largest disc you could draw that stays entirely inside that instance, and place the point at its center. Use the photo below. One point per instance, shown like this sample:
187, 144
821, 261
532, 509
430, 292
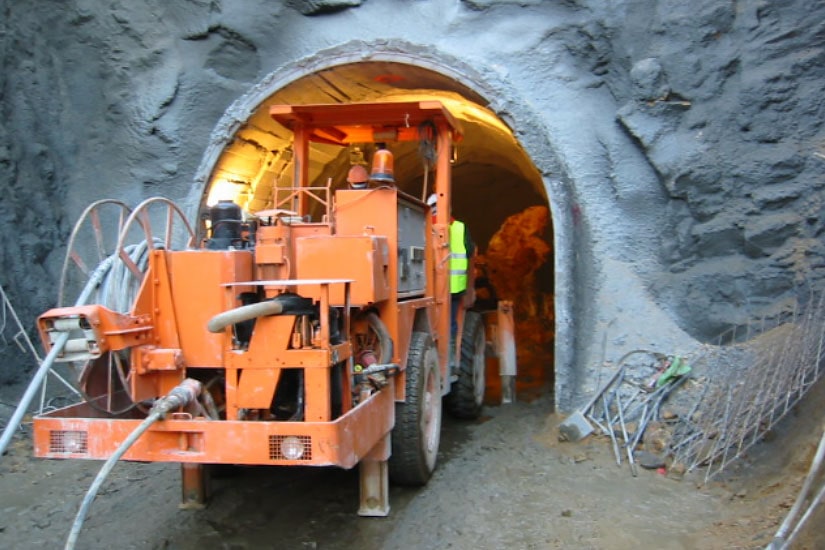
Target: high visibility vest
458, 258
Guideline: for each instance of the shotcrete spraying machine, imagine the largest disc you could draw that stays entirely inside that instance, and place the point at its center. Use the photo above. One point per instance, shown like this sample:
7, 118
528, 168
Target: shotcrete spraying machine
315, 332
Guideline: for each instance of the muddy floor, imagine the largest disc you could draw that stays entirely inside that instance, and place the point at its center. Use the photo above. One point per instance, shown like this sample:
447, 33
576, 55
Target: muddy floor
503, 482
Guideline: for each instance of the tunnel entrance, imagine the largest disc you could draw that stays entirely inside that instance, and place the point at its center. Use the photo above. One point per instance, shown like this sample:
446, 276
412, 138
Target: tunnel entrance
497, 190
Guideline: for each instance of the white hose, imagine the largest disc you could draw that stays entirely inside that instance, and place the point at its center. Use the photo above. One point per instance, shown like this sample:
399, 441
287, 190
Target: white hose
99, 274
101, 476
183, 394
779, 540
811, 507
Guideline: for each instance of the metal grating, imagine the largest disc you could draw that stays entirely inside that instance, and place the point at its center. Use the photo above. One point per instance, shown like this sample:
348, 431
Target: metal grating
69, 442
275, 446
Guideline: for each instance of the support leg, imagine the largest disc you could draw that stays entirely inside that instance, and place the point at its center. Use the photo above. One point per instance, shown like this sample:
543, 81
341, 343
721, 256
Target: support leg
374, 481
194, 486
506, 348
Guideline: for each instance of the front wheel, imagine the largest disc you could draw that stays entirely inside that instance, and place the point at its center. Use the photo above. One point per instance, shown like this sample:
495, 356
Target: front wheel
467, 394
417, 430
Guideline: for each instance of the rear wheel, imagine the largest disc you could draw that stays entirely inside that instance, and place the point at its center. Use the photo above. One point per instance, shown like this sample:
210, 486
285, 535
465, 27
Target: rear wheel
467, 395
417, 430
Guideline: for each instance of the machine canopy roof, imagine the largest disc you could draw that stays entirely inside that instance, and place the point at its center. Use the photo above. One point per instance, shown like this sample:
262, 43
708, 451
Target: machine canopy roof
344, 123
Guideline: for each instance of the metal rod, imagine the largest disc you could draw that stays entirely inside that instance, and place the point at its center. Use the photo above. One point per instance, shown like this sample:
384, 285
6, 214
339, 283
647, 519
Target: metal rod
624, 435
612, 433
640, 430
597, 423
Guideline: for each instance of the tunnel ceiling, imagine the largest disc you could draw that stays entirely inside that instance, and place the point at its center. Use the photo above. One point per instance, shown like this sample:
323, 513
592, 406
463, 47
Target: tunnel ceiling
258, 153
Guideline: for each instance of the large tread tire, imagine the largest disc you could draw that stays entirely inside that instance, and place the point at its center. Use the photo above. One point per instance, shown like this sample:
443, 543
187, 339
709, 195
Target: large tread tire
417, 431
467, 394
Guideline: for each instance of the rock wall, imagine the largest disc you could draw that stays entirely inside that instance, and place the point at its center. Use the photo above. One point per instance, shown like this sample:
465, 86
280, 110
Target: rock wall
686, 138
725, 100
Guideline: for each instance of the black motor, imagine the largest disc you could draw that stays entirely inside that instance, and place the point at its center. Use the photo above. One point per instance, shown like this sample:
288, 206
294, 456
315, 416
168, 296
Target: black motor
226, 220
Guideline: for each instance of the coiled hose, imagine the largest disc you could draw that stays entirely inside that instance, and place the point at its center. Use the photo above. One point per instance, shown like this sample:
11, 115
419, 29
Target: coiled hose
119, 286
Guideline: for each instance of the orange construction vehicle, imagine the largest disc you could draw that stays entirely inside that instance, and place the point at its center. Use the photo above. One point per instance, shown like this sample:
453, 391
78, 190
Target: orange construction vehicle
315, 332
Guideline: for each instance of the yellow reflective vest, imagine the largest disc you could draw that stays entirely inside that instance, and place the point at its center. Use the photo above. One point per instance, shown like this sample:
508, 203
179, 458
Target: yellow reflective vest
458, 258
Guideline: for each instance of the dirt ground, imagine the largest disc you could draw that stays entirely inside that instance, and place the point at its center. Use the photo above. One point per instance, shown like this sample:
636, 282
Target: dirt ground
504, 481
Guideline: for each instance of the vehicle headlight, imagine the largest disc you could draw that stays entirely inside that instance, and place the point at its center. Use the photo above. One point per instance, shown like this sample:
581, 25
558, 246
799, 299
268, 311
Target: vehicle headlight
292, 448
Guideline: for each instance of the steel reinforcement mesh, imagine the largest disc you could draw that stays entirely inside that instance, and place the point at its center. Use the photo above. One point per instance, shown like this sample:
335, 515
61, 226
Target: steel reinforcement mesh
746, 388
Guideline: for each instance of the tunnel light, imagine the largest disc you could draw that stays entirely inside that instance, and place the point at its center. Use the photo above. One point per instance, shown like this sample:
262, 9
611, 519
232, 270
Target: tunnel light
226, 190
292, 448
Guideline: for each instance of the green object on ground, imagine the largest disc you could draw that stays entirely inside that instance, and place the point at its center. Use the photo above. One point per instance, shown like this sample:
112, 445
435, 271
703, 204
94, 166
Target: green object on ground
678, 367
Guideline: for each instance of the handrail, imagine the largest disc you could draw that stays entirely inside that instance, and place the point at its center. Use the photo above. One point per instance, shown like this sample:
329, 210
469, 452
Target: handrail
297, 195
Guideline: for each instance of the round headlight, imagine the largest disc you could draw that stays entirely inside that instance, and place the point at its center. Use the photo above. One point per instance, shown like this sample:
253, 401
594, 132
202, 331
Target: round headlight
74, 442
292, 448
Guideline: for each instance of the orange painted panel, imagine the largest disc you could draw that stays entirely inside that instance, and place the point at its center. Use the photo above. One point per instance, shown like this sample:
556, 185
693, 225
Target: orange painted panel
256, 388
196, 277
362, 259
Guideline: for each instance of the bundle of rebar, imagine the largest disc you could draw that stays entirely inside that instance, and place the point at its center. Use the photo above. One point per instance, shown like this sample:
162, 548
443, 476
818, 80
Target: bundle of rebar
628, 405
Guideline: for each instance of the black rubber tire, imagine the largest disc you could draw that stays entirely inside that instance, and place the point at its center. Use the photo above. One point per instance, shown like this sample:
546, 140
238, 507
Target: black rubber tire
417, 431
467, 393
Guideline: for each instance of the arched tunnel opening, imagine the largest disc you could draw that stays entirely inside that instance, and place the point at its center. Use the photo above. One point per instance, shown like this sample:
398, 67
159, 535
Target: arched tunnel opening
496, 191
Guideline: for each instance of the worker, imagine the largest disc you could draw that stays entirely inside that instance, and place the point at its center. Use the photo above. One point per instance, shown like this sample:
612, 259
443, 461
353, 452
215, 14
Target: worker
357, 177
462, 249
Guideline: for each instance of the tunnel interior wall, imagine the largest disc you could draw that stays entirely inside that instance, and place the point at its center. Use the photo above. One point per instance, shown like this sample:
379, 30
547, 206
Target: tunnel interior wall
681, 144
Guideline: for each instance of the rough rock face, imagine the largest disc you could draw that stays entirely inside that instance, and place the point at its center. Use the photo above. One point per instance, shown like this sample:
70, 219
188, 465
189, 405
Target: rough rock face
724, 100
689, 134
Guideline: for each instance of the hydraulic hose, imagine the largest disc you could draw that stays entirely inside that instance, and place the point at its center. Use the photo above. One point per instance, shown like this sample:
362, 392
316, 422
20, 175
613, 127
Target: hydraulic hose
244, 313
183, 394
